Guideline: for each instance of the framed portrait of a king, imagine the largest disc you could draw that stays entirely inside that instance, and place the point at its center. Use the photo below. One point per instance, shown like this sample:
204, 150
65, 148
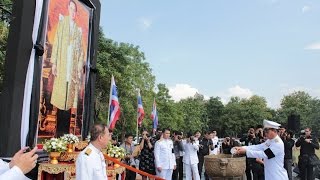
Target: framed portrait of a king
63, 80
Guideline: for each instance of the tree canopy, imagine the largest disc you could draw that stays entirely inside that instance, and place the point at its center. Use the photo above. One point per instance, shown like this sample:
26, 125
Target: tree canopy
127, 63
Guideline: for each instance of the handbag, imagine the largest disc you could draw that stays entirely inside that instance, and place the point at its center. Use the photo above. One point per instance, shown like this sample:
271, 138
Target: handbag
314, 160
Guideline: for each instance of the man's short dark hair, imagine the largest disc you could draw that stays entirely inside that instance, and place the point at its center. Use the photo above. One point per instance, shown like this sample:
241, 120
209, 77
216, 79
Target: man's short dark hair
97, 129
309, 128
259, 126
128, 135
290, 133
165, 129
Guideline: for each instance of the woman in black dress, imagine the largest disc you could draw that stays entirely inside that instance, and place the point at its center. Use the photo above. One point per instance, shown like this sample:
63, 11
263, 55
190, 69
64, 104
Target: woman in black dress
146, 155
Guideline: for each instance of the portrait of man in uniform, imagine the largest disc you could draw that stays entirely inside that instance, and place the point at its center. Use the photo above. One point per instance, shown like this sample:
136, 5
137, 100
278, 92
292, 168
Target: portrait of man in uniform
62, 98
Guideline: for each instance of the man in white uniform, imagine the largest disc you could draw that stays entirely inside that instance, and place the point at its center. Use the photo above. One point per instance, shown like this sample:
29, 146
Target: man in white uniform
164, 156
20, 164
190, 158
90, 164
271, 151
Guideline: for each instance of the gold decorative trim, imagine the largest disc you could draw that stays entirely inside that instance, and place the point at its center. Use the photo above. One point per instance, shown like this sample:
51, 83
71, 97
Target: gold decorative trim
81, 145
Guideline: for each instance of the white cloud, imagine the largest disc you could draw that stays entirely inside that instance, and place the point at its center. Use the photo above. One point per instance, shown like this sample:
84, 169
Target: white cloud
182, 91
313, 46
235, 91
306, 9
145, 23
240, 92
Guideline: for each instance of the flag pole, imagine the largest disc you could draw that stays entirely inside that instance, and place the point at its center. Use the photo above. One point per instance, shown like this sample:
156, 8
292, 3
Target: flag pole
153, 129
137, 130
108, 118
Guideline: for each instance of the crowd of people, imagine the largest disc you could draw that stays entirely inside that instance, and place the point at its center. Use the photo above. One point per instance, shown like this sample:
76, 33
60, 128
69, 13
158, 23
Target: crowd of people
167, 154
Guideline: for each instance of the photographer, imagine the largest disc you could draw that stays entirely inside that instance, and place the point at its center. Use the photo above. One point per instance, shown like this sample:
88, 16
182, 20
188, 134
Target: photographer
288, 145
307, 158
205, 146
228, 144
178, 148
130, 158
252, 164
146, 156
259, 134
190, 159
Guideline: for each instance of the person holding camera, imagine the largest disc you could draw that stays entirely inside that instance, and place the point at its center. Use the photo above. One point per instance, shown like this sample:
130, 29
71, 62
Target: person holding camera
307, 158
205, 146
130, 159
288, 145
147, 154
190, 158
164, 156
253, 165
178, 148
227, 144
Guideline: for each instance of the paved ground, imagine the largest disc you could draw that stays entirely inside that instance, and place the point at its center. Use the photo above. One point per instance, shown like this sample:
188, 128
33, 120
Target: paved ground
294, 177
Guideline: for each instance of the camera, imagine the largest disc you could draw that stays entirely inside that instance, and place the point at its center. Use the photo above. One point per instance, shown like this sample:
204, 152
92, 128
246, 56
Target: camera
192, 139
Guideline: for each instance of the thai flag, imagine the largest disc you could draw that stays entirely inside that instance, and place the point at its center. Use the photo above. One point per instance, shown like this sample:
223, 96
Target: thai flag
114, 106
140, 110
154, 115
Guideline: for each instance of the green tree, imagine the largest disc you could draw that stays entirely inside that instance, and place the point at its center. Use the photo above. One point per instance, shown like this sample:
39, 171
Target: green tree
214, 108
194, 113
240, 114
297, 103
127, 63
168, 112
5, 13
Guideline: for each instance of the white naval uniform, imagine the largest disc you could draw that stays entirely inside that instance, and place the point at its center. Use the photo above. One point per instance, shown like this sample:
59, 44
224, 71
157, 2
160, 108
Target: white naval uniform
273, 167
164, 158
14, 173
190, 160
91, 165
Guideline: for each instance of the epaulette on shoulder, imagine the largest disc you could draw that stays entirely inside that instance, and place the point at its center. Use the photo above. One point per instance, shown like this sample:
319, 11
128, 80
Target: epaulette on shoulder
88, 151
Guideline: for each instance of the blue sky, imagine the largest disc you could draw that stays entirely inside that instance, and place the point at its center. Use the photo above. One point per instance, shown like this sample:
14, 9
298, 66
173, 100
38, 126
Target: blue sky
223, 47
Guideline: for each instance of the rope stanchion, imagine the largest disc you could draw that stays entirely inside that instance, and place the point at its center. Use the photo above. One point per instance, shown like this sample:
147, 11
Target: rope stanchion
132, 168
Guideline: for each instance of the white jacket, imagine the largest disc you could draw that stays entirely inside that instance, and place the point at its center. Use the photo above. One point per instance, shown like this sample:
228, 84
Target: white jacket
164, 155
273, 165
190, 153
14, 173
91, 165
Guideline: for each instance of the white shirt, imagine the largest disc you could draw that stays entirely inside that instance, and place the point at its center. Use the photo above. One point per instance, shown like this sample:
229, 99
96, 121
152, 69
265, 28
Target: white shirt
273, 167
164, 155
14, 173
190, 153
215, 141
91, 166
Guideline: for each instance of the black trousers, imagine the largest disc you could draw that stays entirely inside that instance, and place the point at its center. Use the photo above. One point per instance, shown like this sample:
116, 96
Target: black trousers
178, 172
200, 166
63, 122
130, 175
306, 171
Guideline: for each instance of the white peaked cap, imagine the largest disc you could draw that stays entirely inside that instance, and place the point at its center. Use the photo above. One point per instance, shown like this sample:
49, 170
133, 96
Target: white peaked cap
270, 124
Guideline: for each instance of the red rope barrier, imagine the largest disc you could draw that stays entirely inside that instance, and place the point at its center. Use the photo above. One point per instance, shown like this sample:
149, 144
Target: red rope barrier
132, 168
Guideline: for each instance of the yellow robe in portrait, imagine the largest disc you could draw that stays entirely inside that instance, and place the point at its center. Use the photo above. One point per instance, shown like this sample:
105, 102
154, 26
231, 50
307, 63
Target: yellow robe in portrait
67, 55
